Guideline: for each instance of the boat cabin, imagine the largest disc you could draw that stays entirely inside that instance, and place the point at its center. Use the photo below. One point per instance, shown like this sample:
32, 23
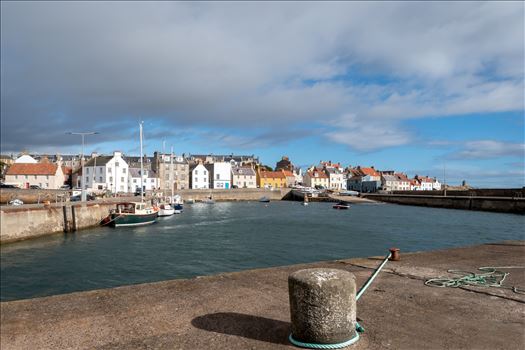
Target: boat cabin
130, 208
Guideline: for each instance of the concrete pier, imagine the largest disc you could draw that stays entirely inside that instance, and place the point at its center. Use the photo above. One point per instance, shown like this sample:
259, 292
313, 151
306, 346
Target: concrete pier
249, 310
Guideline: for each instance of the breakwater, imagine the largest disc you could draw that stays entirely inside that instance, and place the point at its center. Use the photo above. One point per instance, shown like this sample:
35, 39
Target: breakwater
514, 205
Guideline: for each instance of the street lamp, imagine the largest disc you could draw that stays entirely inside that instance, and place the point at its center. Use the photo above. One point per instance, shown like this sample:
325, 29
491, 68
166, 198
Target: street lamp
83, 134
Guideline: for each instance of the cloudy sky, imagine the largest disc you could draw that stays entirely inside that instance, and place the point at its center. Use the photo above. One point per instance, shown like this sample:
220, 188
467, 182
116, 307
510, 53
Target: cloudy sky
407, 86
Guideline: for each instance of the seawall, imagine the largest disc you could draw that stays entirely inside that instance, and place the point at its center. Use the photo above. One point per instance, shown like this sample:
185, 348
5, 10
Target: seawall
31, 221
496, 204
234, 194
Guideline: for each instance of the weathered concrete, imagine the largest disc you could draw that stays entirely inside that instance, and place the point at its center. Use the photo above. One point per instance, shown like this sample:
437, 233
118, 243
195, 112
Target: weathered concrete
496, 204
25, 222
322, 305
235, 194
249, 310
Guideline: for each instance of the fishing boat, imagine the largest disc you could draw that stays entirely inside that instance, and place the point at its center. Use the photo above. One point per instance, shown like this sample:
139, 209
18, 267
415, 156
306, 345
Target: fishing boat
264, 199
132, 214
341, 205
305, 200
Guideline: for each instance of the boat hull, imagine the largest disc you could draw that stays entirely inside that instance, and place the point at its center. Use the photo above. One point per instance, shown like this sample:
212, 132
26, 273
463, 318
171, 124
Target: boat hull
120, 220
166, 212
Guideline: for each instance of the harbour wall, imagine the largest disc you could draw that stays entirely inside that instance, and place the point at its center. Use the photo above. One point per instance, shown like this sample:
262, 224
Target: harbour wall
473, 192
235, 194
495, 204
31, 221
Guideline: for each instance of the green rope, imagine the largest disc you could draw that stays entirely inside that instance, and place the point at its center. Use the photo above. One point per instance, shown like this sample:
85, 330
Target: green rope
326, 346
490, 277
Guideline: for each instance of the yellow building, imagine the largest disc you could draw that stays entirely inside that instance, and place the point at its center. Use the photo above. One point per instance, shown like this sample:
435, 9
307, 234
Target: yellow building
273, 179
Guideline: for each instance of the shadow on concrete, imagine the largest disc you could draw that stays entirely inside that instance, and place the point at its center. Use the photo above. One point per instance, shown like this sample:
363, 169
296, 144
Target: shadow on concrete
247, 326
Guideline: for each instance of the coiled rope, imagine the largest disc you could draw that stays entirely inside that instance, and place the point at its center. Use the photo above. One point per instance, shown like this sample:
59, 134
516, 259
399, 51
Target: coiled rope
358, 327
491, 276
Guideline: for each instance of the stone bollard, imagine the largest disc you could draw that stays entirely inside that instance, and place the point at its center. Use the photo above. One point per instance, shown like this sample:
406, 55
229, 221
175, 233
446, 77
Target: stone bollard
322, 306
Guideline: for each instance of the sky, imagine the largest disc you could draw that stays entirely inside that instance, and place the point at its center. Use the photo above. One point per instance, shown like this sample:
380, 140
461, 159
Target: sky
428, 88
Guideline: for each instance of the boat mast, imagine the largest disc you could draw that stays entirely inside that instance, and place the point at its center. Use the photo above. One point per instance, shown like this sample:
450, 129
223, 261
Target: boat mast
141, 167
171, 172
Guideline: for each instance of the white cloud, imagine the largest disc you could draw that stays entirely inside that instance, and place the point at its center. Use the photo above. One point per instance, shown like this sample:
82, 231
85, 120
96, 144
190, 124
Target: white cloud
253, 65
486, 149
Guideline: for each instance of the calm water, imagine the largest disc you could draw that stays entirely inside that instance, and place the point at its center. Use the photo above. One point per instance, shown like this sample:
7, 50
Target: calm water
208, 239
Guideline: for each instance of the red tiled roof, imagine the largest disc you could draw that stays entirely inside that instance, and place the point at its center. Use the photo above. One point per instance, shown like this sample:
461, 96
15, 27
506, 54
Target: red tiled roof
402, 177
369, 171
320, 174
288, 173
272, 174
32, 169
67, 170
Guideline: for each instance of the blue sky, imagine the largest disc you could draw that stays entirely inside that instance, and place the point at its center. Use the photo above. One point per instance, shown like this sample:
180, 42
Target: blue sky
411, 86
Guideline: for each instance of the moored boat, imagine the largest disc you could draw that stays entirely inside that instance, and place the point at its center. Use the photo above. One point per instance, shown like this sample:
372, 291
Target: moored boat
341, 205
166, 209
264, 199
132, 214
178, 208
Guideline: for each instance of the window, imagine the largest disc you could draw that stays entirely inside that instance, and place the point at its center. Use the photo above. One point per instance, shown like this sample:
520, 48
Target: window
122, 179
109, 170
87, 170
26, 177
100, 179
116, 164
87, 178
218, 177
111, 179
35, 177
204, 172
134, 181
197, 172
16, 176
124, 170
100, 170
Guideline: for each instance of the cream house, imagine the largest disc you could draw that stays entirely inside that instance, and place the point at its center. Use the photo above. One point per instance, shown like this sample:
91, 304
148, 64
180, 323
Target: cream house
44, 175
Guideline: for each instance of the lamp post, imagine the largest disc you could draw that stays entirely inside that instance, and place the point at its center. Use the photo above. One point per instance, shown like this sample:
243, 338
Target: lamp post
83, 134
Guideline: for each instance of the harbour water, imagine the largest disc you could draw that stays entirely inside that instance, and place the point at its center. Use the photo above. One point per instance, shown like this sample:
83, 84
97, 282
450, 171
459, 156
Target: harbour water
231, 236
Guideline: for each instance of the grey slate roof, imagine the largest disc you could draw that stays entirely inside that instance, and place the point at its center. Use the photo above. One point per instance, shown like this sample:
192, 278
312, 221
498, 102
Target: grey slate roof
100, 160
243, 171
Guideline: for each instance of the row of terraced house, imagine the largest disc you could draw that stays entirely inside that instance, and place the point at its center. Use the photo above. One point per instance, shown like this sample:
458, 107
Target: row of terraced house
120, 173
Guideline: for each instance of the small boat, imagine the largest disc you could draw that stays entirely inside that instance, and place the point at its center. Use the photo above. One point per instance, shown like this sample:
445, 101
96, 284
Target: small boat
264, 199
132, 214
341, 205
166, 209
209, 200
178, 208
190, 201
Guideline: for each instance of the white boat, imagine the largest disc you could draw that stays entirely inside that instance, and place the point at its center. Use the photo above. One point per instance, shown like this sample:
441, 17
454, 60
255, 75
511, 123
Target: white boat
166, 209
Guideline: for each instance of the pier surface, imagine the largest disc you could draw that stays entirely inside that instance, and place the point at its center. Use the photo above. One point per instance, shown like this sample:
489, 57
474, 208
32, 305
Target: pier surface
249, 309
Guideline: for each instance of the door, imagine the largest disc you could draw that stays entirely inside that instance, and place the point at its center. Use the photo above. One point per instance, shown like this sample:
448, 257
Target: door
226, 185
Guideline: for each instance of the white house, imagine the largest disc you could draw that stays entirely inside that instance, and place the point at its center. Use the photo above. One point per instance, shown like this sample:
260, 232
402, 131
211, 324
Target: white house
199, 177
222, 175
244, 177
106, 173
436, 185
150, 181
336, 178
425, 183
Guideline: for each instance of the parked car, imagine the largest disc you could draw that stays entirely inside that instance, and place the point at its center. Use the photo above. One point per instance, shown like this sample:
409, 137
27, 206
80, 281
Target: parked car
349, 193
16, 202
35, 187
78, 197
3, 185
65, 187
